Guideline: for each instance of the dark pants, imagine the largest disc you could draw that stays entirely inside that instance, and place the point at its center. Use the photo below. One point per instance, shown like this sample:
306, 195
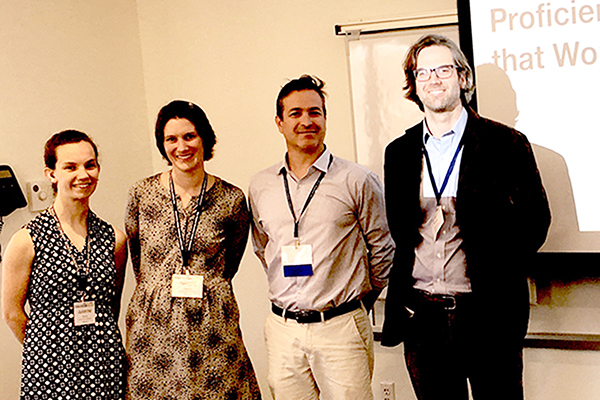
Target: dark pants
452, 340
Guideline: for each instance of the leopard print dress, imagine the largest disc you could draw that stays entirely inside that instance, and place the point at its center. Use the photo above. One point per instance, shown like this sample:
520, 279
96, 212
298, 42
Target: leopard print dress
186, 348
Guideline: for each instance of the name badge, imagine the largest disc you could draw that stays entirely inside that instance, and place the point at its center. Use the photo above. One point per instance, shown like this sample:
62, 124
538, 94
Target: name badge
189, 286
297, 260
84, 313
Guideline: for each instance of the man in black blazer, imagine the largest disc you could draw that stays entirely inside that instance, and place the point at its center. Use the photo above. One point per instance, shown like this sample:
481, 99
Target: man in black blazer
467, 210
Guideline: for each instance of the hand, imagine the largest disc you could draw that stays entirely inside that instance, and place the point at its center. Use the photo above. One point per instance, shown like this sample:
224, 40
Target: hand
369, 299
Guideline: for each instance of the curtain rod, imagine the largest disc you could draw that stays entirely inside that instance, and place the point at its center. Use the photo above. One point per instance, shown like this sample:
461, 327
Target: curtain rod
396, 24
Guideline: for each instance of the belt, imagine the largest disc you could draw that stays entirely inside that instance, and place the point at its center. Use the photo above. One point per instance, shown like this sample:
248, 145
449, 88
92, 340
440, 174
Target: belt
446, 301
308, 317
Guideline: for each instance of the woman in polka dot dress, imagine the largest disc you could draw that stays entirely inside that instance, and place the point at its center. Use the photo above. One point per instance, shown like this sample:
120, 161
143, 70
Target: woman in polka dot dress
68, 264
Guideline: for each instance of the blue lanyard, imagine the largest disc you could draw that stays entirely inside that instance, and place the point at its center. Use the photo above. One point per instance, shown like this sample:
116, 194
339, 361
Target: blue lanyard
438, 195
308, 199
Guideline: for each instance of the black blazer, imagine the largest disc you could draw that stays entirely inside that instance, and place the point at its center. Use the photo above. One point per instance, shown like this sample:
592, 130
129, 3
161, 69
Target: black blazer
502, 212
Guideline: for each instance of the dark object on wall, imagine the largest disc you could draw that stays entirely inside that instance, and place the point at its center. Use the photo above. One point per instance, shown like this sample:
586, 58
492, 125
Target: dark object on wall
11, 196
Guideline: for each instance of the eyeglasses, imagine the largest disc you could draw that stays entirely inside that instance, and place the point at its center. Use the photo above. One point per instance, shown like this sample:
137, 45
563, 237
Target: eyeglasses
442, 72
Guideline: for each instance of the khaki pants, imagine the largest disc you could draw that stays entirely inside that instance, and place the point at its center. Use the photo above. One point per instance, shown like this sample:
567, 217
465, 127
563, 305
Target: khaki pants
331, 360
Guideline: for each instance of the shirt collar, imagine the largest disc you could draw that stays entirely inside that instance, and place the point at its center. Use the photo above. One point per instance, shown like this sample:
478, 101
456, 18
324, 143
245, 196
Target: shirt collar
322, 163
458, 129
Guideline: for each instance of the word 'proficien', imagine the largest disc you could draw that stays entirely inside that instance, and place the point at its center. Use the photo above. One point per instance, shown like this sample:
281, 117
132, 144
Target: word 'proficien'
545, 16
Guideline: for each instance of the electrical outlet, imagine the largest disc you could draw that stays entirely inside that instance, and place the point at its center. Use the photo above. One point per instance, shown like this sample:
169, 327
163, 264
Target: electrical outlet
387, 391
40, 194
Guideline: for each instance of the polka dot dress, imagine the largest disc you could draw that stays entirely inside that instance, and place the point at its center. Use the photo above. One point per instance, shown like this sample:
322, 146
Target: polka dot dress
61, 360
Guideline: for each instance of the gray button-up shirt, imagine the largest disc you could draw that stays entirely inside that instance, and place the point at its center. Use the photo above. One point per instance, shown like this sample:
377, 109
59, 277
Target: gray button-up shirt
345, 223
440, 265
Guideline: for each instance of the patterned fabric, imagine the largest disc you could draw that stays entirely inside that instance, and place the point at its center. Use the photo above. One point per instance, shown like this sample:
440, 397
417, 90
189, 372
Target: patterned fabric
186, 348
60, 360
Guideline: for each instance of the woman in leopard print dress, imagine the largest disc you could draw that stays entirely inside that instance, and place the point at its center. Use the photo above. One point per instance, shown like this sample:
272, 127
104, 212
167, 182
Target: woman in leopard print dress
188, 231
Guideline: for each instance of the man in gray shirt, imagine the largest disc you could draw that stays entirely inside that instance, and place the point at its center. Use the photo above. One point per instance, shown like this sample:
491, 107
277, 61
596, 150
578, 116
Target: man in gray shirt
320, 231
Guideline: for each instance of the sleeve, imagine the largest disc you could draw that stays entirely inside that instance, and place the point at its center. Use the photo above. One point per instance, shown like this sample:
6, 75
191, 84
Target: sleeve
236, 236
402, 165
132, 224
373, 222
528, 199
259, 236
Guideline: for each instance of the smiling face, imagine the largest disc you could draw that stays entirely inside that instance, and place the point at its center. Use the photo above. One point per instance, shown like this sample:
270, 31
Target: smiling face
303, 122
76, 173
438, 95
183, 145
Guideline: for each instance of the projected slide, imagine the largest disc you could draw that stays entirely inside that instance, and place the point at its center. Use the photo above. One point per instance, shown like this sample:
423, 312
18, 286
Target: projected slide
538, 67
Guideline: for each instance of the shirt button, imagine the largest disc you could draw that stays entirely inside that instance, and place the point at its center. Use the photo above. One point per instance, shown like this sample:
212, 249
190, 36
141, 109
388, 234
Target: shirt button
439, 255
444, 232
438, 280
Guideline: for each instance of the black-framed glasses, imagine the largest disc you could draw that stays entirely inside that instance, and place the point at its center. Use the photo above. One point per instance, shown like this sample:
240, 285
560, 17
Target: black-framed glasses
442, 72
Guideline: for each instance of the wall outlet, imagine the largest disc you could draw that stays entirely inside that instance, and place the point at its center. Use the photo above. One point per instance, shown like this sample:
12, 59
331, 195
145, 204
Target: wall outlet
387, 391
40, 195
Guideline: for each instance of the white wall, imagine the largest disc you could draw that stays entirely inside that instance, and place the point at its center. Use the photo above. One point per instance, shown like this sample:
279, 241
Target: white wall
107, 68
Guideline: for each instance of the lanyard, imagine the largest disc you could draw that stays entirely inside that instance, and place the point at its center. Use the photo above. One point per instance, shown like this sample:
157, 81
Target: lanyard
308, 199
186, 251
82, 273
438, 195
